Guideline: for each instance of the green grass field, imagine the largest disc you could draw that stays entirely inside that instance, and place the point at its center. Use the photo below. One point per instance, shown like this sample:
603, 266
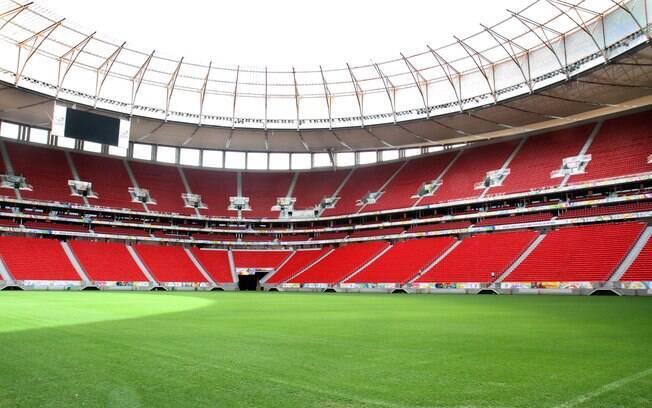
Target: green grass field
321, 350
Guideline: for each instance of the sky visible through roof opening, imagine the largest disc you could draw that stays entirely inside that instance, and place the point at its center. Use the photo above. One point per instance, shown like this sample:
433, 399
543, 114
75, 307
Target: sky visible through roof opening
283, 33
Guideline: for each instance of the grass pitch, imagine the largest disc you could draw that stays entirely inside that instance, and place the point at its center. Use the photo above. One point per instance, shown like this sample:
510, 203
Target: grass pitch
317, 350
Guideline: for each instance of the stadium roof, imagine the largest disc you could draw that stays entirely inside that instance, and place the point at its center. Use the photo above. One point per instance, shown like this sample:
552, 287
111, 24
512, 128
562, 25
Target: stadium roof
553, 62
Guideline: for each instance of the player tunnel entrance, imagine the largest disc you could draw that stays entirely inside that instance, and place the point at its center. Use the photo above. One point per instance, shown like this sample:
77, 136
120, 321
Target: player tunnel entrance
253, 265
251, 281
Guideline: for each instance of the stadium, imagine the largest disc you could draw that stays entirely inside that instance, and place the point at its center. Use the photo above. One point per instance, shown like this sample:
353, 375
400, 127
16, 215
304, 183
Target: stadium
183, 233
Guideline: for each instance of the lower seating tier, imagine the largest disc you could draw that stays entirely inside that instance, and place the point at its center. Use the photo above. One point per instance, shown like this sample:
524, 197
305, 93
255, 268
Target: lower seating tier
641, 268
340, 263
403, 261
215, 263
480, 258
107, 261
168, 263
297, 262
37, 259
577, 254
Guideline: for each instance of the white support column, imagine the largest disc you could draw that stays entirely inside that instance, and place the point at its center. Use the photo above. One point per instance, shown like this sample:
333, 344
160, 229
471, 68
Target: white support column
441, 176
199, 266
141, 265
632, 255
73, 171
339, 188
239, 189
386, 183
519, 260
584, 149
75, 263
293, 184
234, 274
132, 178
507, 162
5, 274
186, 185
8, 165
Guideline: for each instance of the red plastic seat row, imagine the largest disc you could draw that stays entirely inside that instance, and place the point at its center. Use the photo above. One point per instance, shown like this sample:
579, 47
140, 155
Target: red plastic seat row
340, 263
641, 268
480, 258
579, 253
403, 261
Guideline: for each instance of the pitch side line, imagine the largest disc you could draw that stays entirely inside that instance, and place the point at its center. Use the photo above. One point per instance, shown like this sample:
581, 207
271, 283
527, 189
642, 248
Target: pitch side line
604, 389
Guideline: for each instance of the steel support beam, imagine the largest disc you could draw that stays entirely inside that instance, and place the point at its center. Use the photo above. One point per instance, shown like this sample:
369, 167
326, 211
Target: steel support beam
420, 82
235, 96
70, 56
36, 41
328, 97
390, 89
447, 68
170, 87
638, 23
265, 120
359, 94
103, 71
501, 41
473, 54
202, 91
545, 42
13, 13
137, 79
581, 25
296, 95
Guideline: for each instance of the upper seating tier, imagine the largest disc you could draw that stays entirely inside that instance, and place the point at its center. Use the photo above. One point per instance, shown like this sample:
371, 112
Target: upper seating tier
46, 170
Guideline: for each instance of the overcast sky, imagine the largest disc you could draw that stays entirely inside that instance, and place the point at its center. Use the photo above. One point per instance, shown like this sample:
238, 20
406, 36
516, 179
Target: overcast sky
282, 33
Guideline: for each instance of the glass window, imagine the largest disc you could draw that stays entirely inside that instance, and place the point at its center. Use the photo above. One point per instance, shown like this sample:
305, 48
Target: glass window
321, 160
166, 154
412, 152
142, 151
213, 158
279, 161
189, 157
389, 155
92, 147
9, 130
368, 157
67, 142
432, 149
345, 159
40, 136
117, 151
300, 161
256, 161
235, 160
